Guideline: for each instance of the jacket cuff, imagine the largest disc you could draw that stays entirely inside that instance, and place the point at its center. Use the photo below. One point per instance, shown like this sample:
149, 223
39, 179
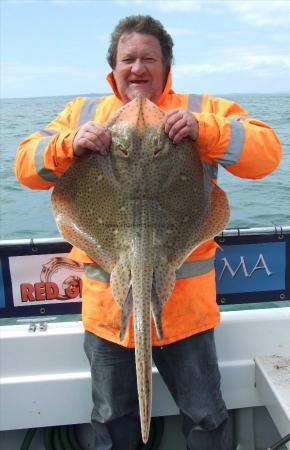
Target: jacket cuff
64, 151
68, 144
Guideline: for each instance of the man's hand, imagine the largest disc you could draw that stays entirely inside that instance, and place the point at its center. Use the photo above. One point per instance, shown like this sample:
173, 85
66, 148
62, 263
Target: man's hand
180, 123
92, 136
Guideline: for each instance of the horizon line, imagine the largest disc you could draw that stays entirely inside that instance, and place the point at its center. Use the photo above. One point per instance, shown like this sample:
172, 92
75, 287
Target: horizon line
98, 94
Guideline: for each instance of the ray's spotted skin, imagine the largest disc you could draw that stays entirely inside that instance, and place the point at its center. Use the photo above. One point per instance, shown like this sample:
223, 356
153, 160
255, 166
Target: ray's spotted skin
139, 212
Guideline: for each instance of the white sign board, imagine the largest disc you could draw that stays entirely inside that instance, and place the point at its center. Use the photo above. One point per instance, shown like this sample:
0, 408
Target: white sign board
43, 279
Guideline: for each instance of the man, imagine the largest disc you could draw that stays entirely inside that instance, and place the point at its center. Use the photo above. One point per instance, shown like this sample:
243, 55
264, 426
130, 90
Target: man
140, 55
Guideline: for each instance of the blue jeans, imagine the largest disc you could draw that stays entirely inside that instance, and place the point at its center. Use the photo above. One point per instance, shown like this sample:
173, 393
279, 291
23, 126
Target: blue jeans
190, 370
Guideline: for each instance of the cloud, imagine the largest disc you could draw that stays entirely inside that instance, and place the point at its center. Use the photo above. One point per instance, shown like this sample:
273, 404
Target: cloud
281, 61
254, 64
263, 13
177, 6
166, 6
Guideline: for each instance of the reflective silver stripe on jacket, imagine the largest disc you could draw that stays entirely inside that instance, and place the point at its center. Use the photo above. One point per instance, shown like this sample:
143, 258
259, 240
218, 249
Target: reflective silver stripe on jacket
188, 269
42, 171
88, 110
48, 132
236, 144
191, 269
195, 102
96, 273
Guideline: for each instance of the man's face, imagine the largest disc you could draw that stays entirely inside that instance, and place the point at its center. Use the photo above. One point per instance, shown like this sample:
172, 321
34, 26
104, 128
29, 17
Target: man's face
139, 67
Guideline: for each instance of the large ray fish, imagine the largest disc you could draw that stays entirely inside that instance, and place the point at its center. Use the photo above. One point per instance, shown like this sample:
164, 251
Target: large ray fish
139, 212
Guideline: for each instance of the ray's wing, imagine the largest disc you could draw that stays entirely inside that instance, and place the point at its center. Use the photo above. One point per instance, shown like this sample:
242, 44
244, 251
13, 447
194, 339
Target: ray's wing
197, 209
189, 210
88, 210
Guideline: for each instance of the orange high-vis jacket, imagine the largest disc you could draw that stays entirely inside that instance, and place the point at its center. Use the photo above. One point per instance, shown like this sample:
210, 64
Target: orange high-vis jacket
228, 136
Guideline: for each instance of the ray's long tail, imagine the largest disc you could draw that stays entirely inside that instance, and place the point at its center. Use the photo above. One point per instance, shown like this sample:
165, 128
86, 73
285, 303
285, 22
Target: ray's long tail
142, 277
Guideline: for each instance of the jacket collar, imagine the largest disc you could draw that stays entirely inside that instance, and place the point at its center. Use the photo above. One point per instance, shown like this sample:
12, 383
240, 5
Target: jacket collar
167, 88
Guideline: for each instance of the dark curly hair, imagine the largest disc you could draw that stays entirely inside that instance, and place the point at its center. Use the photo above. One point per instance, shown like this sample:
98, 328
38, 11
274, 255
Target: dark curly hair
145, 25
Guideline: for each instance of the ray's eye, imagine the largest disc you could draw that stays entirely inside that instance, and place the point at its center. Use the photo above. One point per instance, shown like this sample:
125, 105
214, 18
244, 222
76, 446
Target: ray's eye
123, 148
121, 140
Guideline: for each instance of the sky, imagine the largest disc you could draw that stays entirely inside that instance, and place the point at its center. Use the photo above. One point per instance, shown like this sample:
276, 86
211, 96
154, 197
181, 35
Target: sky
59, 47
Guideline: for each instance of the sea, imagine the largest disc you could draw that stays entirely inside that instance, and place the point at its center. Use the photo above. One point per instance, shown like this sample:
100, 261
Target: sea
254, 203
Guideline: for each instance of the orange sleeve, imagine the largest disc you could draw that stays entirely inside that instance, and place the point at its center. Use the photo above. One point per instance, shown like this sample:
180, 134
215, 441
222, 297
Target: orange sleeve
45, 155
246, 147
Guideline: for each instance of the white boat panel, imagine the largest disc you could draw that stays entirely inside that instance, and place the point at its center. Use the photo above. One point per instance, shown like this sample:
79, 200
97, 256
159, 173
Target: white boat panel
45, 378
